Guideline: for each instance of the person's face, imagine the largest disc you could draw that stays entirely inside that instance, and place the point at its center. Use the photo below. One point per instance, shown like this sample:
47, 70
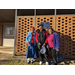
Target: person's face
32, 30
41, 27
50, 31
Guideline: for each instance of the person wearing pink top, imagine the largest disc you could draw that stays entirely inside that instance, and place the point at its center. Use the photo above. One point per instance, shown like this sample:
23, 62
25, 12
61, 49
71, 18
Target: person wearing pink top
50, 40
53, 41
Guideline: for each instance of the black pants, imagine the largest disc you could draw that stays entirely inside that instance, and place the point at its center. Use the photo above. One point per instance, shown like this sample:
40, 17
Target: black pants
43, 55
54, 55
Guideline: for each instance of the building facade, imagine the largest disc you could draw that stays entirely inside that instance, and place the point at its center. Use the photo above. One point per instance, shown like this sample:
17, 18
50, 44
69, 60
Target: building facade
17, 22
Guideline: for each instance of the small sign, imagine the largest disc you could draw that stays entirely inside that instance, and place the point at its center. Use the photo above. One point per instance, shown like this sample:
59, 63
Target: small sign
8, 31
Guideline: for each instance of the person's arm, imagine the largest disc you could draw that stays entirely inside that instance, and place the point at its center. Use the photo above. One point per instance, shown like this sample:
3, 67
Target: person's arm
37, 38
46, 41
27, 38
57, 38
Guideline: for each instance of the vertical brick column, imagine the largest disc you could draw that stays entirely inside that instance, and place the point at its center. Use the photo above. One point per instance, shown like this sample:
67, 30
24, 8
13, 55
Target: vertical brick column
23, 27
65, 26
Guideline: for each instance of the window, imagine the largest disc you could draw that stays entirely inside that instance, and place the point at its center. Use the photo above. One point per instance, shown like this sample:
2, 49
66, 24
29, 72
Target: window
9, 31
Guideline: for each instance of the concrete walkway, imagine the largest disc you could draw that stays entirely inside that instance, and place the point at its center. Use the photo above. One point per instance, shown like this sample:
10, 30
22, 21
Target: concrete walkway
5, 58
9, 50
6, 54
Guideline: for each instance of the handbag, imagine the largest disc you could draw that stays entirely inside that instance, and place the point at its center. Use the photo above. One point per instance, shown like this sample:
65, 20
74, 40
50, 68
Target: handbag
43, 50
59, 57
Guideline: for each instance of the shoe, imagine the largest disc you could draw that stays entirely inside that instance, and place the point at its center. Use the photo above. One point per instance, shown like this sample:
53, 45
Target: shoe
28, 62
31, 62
54, 63
47, 63
40, 63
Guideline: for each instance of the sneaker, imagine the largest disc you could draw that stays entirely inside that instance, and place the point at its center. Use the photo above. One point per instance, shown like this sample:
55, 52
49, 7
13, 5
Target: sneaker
47, 63
40, 63
28, 62
31, 62
54, 63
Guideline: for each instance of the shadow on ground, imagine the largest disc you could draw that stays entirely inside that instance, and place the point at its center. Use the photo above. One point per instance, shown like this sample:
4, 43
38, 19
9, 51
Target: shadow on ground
3, 61
65, 62
36, 62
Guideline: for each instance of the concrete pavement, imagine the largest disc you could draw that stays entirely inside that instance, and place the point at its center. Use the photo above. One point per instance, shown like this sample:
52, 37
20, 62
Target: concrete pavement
6, 54
9, 50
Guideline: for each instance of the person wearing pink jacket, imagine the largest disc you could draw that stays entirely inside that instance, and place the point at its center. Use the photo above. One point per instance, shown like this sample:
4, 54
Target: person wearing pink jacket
53, 41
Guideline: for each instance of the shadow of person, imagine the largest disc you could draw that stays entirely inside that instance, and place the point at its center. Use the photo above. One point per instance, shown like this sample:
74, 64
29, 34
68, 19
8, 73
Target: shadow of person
66, 46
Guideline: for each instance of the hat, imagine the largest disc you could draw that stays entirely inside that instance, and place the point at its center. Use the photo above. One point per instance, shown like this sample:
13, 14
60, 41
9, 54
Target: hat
32, 27
40, 25
46, 25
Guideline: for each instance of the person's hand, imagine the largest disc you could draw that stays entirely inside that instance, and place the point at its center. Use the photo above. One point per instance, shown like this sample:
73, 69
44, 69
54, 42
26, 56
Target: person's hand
39, 43
27, 43
47, 47
57, 49
44, 44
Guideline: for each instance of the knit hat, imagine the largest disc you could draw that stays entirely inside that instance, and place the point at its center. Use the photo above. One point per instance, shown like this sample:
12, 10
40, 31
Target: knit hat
32, 28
